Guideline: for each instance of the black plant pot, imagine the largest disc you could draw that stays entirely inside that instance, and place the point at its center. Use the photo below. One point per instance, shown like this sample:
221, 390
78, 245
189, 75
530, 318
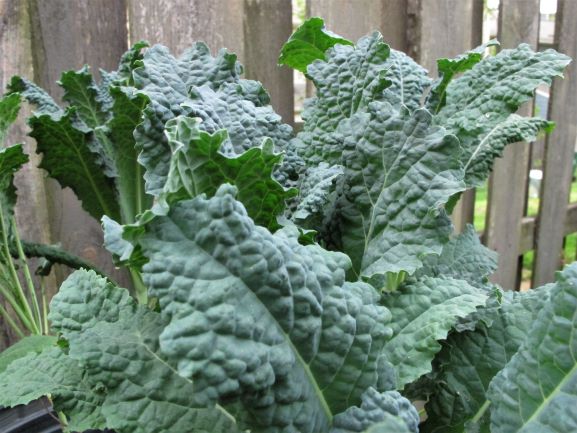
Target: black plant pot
36, 417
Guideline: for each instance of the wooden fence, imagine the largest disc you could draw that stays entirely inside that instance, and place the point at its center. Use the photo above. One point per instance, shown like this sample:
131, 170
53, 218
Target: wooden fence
41, 38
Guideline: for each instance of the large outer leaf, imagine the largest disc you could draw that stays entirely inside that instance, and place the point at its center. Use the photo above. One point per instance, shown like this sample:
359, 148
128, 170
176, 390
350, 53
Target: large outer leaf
51, 372
399, 171
261, 317
199, 167
469, 361
377, 408
28, 344
462, 258
424, 312
117, 343
537, 389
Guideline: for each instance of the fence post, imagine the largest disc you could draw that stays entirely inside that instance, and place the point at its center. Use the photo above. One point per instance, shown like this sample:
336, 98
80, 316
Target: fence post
66, 35
559, 152
518, 22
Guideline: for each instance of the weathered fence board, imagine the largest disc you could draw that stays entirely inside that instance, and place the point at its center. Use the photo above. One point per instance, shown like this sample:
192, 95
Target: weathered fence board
559, 152
518, 22
66, 35
354, 20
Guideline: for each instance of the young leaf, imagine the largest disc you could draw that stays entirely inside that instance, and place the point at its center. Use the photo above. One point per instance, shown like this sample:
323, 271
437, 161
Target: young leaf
425, 312
280, 320
309, 43
81, 91
537, 389
198, 166
9, 108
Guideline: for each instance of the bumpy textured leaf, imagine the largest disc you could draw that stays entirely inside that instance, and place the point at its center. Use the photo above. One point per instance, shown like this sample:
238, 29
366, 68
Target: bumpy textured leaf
127, 107
261, 317
117, 343
399, 170
34, 94
199, 167
317, 195
407, 80
480, 158
491, 91
469, 361
309, 43
28, 344
81, 91
537, 389
9, 108
462, 258
68, 158
51, 372
448, 68
377, 408
424, 312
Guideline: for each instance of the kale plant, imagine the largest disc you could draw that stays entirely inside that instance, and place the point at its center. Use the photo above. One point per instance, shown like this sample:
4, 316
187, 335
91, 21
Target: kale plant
300, 283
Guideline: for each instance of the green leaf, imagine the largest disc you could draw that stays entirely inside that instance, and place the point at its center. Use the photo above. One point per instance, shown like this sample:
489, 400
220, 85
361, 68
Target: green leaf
51, 372
317, 195
448, 68
495, 88
199, 167
388, 407
479, 159
81, 92
462, 258
9, 108
308, 43
424, 312
68, 158
126, 113
34, 94
469, 361
401, 170
11, 160
29, 344
116, 341
537, 389
280, 320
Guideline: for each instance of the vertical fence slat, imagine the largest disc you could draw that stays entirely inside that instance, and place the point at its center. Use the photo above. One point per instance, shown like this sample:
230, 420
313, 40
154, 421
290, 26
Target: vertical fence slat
267, 26
66, 35
354, 20
559, 152
518, 22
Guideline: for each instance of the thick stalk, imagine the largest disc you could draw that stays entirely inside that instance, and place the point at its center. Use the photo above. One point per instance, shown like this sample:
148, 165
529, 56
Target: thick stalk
11, 322
139, 287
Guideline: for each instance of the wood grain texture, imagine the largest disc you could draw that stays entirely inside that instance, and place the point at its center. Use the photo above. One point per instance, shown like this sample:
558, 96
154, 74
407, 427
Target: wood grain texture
559, 152
355, 19
66, 35
518, 22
